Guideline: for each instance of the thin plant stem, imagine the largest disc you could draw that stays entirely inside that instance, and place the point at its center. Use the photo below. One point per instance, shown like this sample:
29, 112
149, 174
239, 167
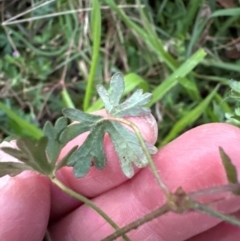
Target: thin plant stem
214, 190
10, 21
51, 15
88, 202
10, 40
160, 182
211, 212
147, 218
179, 202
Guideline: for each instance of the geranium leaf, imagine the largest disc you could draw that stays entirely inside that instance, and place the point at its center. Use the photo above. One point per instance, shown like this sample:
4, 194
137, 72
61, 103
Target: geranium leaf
80, 116
116, 88
125, 142
12, 168
74, 130
230, 169
41, 155
35, 150
112, 97
64, 160
32, 153
60, 125
128, 147
105, 98
18, 154
91, 152
133, 106
53, 133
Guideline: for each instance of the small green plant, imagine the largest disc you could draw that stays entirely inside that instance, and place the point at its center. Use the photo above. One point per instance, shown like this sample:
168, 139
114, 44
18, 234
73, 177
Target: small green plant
235, 95
127, 144
41, 155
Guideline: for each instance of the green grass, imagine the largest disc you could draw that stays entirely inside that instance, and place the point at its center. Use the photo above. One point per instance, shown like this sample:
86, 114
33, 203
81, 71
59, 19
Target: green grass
56, 52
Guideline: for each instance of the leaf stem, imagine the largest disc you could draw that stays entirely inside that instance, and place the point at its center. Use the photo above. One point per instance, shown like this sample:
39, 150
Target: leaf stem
146, 152
135, 224
211, 212
214, 190
88, 202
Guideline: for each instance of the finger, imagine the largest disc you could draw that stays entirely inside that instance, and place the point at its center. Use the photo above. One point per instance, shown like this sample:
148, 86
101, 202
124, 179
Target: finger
97, 181
191, 161
25, 207
25, 204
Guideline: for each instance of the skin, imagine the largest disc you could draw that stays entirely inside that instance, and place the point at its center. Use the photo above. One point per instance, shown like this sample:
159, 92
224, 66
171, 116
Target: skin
192, 161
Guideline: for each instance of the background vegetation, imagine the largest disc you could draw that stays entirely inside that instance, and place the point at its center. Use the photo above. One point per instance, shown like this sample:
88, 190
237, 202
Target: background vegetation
54, 52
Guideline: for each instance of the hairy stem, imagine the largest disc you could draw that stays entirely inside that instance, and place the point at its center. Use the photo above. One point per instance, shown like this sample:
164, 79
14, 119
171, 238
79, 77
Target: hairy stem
215, 190
146, 152
154, 214
88, 202
211, 212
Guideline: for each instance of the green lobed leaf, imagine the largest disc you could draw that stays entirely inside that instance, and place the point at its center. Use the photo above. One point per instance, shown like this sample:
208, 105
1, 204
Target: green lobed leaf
116, 88
131, 81
105, 98
35, 153
21, 154
53, 133
41, 155
64, 160
125, 142
73, 131
128, 147
230, 169
82, 158
18, 154
112, 97
12, 168
80, 116
133, 106
60, 125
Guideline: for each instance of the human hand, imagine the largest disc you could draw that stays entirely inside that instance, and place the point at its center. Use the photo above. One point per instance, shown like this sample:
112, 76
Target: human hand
191, 161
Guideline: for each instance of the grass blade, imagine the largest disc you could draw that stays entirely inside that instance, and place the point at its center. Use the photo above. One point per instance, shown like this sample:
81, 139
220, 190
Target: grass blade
67, 101
221, 65
182, 71
148, 35
192, 116
96, 30
30, 129
226, 12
